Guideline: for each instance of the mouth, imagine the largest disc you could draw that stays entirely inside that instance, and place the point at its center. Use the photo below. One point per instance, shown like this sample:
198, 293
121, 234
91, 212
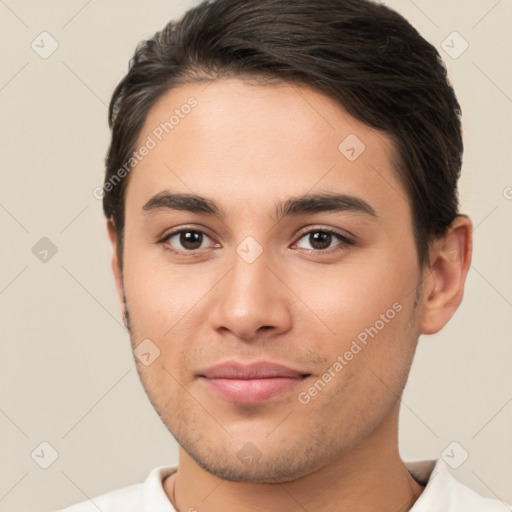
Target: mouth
251, 384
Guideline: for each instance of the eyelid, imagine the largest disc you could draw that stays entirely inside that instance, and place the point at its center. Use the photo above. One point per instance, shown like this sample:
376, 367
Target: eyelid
165, 238
344, 239
346, 235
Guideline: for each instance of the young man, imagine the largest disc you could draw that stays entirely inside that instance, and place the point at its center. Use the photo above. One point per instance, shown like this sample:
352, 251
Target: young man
281, 196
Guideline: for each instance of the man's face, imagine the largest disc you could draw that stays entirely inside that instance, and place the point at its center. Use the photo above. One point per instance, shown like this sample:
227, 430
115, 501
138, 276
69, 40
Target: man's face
250, 287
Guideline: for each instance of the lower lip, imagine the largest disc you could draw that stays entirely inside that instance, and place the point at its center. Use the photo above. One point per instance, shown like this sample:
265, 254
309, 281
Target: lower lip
251, 391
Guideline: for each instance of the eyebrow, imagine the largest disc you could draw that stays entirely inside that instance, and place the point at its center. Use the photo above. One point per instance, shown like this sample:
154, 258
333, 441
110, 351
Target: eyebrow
297, 205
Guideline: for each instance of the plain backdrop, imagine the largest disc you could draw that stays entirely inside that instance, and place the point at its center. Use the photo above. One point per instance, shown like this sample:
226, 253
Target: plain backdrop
67, 375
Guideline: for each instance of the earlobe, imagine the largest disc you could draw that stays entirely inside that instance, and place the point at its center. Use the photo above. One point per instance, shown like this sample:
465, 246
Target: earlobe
450, 262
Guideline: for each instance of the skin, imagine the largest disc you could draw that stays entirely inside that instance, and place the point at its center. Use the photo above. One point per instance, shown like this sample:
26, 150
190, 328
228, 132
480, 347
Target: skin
248, 147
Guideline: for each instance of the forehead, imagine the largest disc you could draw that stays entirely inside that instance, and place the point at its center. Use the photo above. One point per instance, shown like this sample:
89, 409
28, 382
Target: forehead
250, 145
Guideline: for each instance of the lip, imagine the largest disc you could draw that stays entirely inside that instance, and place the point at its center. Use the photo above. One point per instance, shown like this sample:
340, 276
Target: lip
250, 383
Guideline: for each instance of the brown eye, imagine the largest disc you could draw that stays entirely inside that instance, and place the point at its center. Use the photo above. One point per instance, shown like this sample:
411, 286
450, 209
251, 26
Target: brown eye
321, 239
185, 240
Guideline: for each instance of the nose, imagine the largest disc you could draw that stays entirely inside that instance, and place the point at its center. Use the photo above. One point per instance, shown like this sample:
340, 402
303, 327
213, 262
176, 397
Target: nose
252, 300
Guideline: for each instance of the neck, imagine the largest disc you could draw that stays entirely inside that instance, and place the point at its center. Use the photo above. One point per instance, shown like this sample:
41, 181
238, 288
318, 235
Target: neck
370, 477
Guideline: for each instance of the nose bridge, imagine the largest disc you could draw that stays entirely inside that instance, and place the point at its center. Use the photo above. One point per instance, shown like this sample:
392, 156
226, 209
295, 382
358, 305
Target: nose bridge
250, 275
251, 266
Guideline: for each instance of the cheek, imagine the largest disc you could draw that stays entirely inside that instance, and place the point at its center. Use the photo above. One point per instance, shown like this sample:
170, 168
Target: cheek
366, 312
347, 298
160, 294
366, 370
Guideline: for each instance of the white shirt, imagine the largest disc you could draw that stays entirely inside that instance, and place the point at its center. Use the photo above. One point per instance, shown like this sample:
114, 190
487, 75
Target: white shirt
442, 493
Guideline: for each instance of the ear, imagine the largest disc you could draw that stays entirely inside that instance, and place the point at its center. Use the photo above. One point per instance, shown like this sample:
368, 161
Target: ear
450, 259
116, 268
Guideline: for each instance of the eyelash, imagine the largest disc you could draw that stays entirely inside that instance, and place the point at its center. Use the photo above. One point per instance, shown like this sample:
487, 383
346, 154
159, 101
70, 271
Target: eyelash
344, 241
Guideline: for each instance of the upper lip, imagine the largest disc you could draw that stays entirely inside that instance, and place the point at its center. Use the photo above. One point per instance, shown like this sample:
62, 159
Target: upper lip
257, 370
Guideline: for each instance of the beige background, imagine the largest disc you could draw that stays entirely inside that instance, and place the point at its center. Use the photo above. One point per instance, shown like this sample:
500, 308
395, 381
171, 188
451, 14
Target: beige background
67, 375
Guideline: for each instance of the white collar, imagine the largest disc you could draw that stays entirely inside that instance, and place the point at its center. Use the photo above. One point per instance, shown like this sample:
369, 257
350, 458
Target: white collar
442, 491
